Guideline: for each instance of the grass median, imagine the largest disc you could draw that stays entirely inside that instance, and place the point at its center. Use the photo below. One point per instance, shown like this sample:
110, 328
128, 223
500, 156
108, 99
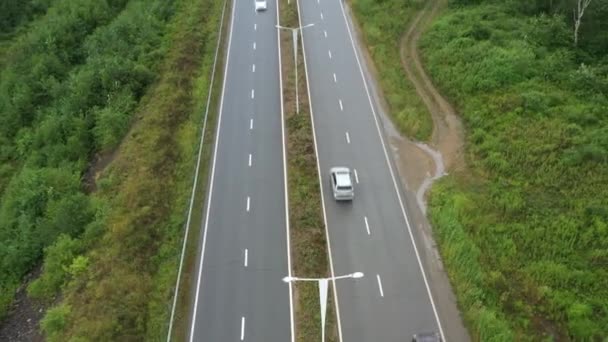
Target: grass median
308, 239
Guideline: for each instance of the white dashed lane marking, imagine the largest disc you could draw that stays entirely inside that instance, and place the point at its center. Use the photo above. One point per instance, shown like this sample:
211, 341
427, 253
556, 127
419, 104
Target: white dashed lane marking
380, 285
243, 328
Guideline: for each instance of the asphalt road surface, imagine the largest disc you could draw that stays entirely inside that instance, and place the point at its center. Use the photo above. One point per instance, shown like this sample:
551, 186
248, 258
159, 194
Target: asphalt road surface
372, 234
239, 294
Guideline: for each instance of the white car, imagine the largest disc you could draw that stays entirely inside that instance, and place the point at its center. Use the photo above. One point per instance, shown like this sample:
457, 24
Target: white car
341, 183
260, 5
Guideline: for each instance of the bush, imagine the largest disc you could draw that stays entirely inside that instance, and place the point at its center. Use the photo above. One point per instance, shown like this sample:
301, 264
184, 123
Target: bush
54, 321
56, 269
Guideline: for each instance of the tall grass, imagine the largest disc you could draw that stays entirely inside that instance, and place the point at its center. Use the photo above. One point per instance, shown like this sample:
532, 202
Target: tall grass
383, 24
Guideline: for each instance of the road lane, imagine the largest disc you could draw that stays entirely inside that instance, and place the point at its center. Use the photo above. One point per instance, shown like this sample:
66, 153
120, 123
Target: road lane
391, 302
246, 203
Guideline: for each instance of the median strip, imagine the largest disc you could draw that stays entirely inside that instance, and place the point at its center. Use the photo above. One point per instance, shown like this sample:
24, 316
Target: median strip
307, 233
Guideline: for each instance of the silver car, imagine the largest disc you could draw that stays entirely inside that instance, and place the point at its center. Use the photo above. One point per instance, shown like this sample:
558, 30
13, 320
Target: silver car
260, 5
341, 183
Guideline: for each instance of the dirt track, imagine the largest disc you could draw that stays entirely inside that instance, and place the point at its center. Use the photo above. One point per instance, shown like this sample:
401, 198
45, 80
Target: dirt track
448, 134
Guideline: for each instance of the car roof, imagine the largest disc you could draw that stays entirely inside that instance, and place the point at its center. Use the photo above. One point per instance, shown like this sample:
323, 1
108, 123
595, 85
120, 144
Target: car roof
343, 179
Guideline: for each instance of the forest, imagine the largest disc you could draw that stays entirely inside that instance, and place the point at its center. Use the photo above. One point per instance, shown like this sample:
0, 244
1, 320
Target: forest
523, 231
86, 83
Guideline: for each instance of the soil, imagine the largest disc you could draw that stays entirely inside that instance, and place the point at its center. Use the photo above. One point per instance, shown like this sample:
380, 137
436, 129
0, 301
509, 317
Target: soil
445, 149
23, 318
96, 167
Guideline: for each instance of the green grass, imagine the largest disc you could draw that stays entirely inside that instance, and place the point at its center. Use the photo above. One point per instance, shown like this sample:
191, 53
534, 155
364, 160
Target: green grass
383, 24
133, 246
524, 235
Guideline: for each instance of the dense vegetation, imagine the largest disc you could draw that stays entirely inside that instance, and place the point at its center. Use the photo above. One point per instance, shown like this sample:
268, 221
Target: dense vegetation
72, 78
523, 232
535, 210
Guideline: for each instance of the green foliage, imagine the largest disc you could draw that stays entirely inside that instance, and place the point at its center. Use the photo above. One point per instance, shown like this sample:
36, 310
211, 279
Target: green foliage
118, 279
57, 264
68, 88
534, 220
54, 321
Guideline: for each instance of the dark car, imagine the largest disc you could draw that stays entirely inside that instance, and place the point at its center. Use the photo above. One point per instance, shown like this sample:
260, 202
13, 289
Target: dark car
427, 337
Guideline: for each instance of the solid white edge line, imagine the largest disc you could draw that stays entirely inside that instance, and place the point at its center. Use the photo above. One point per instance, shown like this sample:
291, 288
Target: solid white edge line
246, 256
314, 136
380, 285
195, 182
285, 193
386, 157
341, 107
367, 226
243, 328
356, 176
219, 126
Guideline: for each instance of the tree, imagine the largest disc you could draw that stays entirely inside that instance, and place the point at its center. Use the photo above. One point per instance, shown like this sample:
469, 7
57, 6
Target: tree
579, 11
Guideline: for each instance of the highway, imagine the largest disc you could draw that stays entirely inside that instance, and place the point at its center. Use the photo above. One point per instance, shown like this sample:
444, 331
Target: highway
372, 234
238, 293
